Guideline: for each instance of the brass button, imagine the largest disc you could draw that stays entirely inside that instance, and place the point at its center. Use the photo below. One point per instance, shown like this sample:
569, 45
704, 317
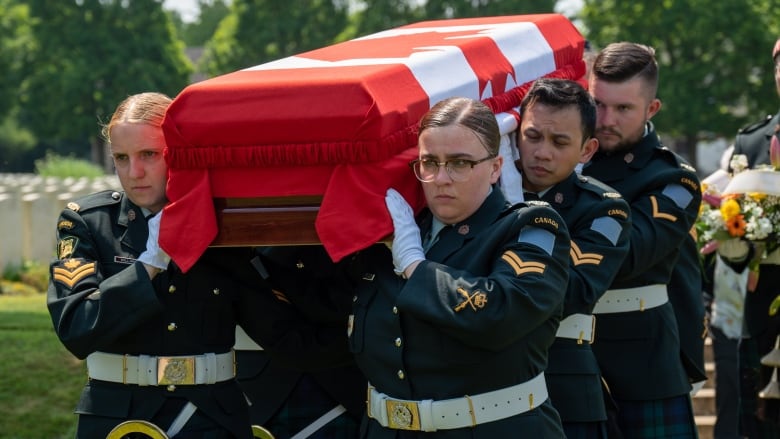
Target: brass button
395, 310
398, 342
216, 291
172, 326
172, 289
401, 374
171, 387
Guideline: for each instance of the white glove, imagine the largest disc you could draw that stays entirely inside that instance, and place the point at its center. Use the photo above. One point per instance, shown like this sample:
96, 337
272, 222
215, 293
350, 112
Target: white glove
407, 243
510, 182
154, 255
734, 249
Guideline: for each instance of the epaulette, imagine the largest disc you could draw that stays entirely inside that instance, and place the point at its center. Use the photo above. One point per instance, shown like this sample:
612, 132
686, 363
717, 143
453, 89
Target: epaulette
527, 203
750, 128
676, 159
687, 167
514, 209
597, 187
92, 201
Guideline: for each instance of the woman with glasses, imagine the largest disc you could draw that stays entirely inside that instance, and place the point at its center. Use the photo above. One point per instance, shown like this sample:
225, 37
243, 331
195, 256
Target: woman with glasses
452, 326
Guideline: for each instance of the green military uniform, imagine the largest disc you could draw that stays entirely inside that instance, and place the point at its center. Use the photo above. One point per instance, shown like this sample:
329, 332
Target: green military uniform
286, 400
686, 294
762, 329
475, 320
599, 223
105, 308
639, 351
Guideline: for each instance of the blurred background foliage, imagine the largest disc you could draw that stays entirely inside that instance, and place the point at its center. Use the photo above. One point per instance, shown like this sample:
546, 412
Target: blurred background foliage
66, 64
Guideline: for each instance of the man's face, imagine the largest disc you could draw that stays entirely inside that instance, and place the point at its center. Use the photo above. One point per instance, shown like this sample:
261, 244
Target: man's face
551, 145
453, 201
623, 108
137, 150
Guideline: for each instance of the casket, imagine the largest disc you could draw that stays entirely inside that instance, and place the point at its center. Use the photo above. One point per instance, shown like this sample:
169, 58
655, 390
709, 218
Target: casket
302, 150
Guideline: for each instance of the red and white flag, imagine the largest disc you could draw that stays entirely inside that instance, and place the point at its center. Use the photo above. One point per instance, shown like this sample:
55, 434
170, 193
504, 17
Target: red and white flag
340, 122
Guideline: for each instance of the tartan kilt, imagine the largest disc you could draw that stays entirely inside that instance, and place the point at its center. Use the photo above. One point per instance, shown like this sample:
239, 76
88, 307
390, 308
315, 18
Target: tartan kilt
663, 418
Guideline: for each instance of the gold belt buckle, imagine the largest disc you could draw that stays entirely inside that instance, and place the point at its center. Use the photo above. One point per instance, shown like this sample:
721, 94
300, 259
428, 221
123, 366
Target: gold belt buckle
402, 415
175, 370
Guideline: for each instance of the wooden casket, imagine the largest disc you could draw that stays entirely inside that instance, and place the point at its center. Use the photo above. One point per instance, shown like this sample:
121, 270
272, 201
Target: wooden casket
302, 150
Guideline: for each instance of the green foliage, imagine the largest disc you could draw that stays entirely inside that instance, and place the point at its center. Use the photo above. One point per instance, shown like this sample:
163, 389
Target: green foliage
35, 275
29, 276
16, 42
716, 72
212, 12
437, 9
54, 165
16, 144
258, 31
378, 15
40, 381
91, 55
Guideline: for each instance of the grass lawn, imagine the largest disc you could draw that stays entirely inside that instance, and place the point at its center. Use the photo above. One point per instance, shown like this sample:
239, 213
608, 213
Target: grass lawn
40, 381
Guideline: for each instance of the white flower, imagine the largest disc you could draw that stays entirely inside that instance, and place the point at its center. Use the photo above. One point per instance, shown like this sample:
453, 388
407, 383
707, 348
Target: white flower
738, 163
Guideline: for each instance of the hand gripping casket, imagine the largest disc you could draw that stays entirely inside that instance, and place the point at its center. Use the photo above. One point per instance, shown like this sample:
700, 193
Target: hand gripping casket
302, 150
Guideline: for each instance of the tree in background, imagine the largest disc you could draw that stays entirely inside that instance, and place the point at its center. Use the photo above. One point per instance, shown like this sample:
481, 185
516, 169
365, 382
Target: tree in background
16, 44
258, 31
378, 15
199, 32
436, 9
92, 54
714, 59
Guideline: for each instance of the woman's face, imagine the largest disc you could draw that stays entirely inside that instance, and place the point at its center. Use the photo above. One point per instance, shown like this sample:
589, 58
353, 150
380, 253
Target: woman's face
453, 201
137, 150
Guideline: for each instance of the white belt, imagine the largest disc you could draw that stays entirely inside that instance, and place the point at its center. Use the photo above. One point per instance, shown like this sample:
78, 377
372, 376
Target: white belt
146, 370
578, 327
631, 299
244, 342
468, 411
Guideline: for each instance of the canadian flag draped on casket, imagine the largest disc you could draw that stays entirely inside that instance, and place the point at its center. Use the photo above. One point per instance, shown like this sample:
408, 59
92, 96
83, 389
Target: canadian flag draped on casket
326, 132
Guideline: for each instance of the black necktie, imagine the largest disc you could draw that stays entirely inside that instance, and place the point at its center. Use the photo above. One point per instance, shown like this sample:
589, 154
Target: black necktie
431, 240
531, 196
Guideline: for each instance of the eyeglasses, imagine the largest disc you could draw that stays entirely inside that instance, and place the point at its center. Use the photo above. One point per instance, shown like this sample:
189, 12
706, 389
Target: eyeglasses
426, 170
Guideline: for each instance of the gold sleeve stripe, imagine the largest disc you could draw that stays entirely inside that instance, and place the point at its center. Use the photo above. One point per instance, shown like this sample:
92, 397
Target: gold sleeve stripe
578, 257
70, 278
280, 296
520, 266
659, 214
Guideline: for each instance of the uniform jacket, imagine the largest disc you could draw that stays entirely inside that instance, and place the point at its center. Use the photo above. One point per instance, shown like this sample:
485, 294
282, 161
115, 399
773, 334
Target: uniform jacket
639, 352
598, 220
686, 293
477, 315
311, 282
100, 299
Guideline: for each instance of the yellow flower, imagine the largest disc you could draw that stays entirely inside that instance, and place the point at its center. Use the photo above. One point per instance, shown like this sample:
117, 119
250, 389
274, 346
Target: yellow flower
729, 209
756, 196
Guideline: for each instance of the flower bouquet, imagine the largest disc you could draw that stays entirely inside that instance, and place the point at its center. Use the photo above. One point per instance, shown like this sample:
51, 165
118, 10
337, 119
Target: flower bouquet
745, 206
